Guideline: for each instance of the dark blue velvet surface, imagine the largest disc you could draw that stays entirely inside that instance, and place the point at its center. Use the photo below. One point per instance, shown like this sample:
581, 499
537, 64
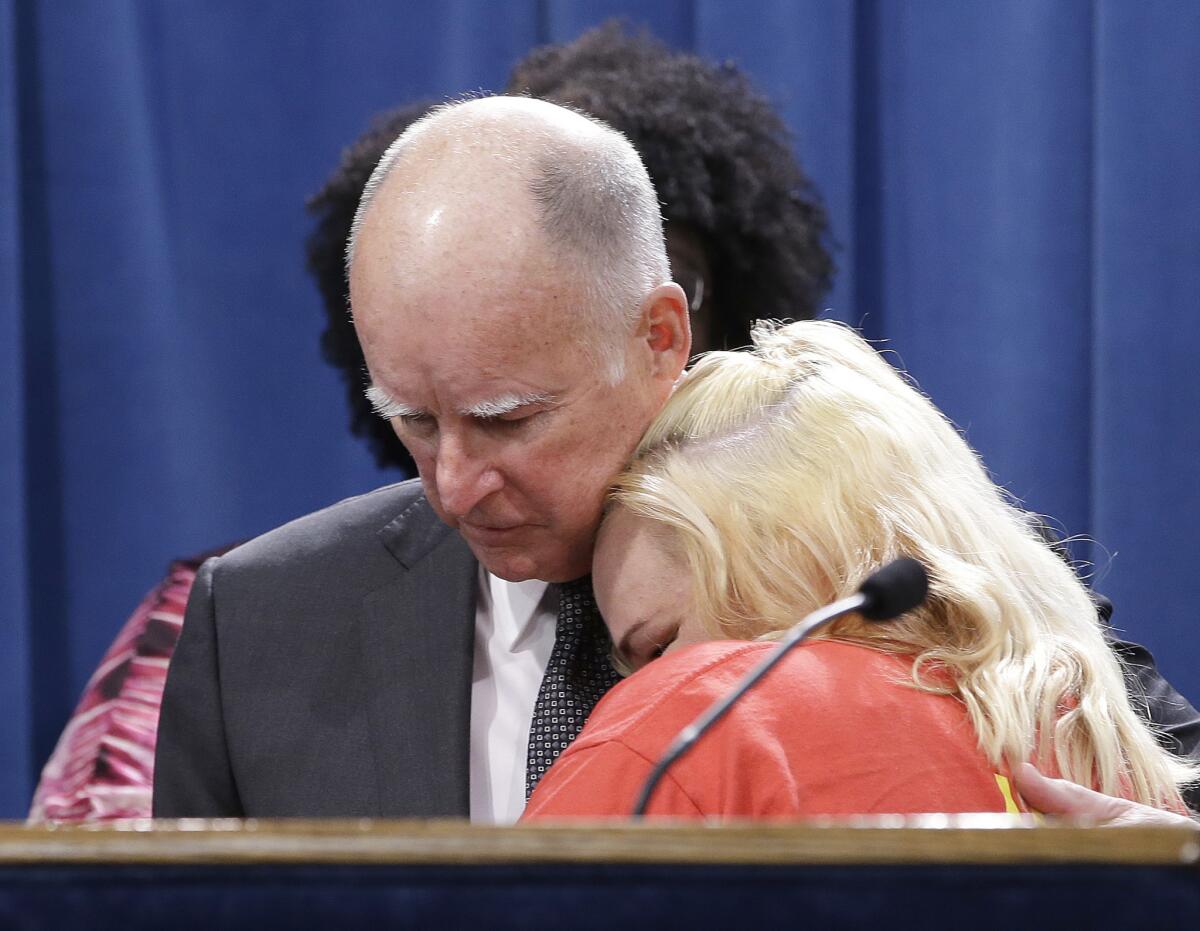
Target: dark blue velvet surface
602, 897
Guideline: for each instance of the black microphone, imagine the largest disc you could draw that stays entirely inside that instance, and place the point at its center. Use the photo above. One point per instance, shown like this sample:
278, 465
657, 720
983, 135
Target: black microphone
893, 590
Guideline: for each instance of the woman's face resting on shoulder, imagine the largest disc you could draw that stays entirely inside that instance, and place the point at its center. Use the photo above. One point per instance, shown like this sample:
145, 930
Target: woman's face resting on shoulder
643, 590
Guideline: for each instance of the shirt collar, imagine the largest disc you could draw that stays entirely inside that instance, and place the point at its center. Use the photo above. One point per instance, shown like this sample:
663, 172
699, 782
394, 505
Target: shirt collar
520, 600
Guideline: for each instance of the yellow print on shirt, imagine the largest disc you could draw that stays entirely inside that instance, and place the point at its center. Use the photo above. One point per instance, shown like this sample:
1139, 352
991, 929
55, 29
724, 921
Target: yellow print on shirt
1010, 800
1010, 803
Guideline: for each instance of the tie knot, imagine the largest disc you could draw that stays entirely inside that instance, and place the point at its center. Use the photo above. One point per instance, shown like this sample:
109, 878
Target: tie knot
580, 588
576, 608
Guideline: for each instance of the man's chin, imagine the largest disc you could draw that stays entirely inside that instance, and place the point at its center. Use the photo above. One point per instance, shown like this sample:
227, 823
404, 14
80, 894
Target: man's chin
520, 567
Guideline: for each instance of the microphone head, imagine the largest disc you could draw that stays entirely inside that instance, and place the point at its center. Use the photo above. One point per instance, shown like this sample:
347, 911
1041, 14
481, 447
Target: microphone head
898, 587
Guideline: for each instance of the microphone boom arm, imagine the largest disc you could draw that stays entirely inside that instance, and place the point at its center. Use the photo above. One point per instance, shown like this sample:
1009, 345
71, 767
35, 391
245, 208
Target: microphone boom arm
687, 737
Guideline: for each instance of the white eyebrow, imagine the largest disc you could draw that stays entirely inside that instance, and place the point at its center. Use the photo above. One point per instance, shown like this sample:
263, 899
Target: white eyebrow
385, 407
505, 404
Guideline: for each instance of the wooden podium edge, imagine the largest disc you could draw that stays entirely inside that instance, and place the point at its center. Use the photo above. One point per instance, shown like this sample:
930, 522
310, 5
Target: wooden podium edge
927, 839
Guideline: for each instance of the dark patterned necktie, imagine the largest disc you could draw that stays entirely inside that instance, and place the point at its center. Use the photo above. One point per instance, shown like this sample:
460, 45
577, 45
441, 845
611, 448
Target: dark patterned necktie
577, 676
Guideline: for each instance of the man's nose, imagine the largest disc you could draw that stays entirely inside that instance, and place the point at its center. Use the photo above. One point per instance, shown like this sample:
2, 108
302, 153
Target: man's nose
464, 477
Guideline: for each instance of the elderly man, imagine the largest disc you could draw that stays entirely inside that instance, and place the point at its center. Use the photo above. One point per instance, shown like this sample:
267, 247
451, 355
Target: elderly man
511, 292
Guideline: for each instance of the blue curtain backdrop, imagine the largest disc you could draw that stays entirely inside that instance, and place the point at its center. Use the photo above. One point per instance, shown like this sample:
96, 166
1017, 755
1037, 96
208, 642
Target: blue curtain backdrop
1014, 186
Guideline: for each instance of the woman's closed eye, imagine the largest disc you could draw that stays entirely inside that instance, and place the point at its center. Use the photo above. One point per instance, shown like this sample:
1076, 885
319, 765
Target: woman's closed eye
650, 648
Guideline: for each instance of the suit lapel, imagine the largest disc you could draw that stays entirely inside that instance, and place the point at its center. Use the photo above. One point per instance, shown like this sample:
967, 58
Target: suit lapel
417, 637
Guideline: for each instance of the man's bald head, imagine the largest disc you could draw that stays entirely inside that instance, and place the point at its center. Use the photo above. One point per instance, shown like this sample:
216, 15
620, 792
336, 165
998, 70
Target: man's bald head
510, 291
514, 179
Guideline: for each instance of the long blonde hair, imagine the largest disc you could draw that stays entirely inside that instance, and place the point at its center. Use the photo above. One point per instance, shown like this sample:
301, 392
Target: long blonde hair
787, 474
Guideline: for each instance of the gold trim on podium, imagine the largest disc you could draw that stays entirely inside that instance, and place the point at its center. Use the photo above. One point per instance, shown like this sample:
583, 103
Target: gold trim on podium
925, 839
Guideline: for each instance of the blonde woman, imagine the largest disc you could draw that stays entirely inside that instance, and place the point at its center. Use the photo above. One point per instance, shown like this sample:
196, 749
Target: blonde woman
772, 484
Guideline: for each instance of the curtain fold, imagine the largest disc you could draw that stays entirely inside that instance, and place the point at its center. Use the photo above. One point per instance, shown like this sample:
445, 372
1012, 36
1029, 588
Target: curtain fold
1145, 406
1013, 189
16, 724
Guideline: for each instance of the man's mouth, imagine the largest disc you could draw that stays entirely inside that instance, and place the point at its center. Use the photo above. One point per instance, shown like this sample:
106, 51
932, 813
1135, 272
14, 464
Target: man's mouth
489, 533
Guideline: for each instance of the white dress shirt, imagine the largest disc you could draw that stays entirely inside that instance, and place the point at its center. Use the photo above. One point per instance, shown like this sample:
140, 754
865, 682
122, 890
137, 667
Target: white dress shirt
514, 634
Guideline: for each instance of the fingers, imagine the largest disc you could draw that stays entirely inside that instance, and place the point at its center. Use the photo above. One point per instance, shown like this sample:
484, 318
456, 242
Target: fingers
1060, 797
1067, 799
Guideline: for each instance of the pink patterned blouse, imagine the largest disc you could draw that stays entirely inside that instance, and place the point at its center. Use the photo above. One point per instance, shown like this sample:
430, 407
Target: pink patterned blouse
103, 765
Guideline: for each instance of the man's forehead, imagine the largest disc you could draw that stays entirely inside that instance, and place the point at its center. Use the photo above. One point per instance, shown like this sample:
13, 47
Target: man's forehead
487, 294
482, 337
473, 342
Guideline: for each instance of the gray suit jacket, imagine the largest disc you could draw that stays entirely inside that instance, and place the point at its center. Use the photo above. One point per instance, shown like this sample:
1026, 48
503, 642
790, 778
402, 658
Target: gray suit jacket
324, 669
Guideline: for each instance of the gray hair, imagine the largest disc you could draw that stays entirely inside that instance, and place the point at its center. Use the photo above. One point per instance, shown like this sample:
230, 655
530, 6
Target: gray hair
595, 205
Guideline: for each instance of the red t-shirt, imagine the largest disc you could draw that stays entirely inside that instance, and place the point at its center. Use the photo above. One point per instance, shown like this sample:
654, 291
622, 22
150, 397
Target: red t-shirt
835, 729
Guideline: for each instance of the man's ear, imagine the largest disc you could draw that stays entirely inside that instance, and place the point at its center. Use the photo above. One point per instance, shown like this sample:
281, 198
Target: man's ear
667, 332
